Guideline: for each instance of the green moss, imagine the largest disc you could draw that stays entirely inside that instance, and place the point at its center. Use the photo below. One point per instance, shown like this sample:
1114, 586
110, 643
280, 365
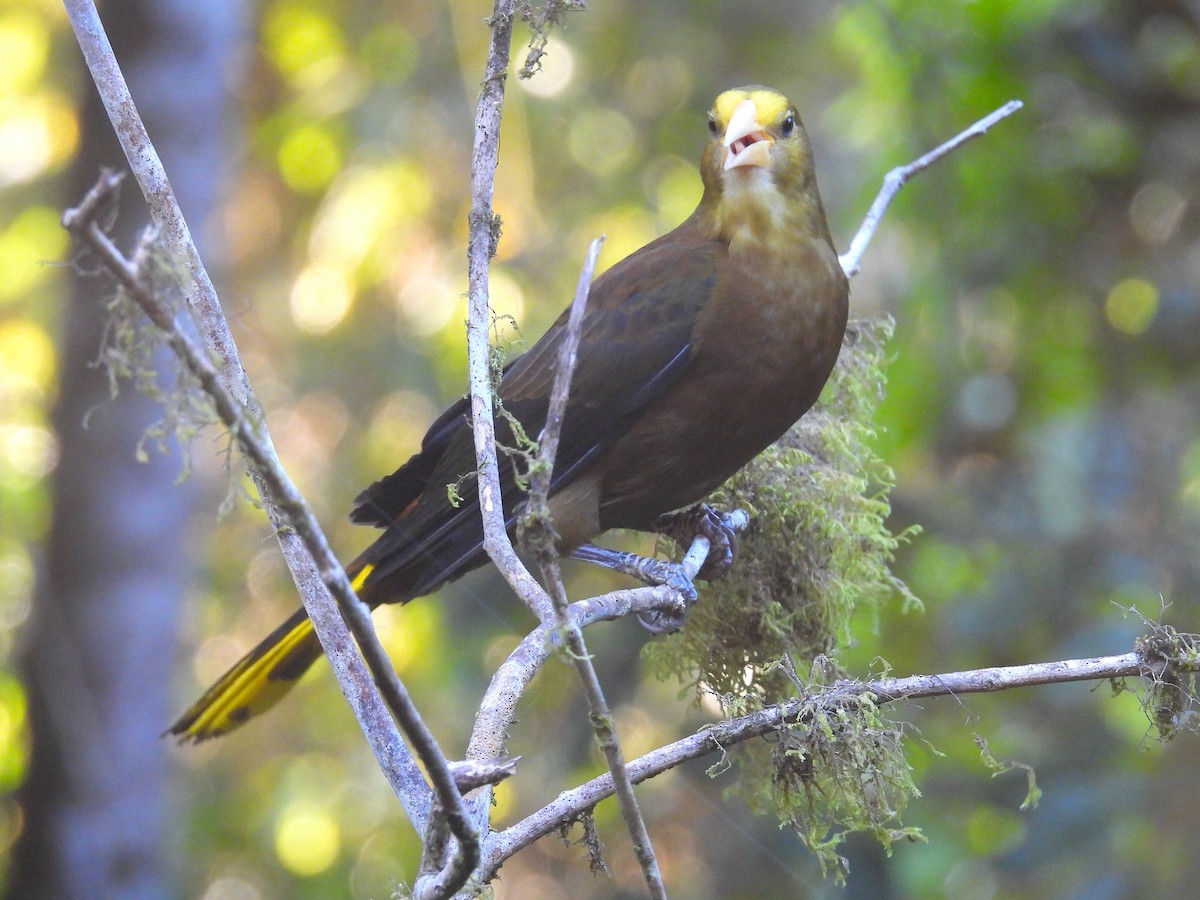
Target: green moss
836, 768
129, 352
1171, 662
817, 549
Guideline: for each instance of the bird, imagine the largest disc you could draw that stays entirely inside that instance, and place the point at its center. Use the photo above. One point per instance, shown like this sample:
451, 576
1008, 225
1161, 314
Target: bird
696, 353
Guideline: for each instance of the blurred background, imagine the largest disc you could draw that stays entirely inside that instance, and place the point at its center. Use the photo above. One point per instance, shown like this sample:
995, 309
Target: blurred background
1042, 419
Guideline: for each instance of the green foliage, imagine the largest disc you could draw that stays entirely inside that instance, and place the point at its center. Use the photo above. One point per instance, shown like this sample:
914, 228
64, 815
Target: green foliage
817, 549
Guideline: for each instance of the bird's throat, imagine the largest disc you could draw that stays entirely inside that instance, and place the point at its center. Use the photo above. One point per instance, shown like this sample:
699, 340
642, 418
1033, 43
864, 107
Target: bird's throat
754, 216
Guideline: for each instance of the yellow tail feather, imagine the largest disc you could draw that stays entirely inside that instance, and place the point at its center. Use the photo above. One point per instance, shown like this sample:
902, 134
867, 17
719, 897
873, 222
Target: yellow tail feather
259, 679
255, 684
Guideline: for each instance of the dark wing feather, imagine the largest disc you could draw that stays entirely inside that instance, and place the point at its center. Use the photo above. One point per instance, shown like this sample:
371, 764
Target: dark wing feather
388, 498
634, 344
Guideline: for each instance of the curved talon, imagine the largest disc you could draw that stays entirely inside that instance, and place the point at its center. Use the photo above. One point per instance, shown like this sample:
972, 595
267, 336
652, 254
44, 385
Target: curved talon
668, 621
660, 621
720, 529
650, 571
722, 537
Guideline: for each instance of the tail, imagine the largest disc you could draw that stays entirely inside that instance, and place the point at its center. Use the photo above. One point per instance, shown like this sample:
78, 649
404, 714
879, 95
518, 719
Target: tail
422, 549
257, 681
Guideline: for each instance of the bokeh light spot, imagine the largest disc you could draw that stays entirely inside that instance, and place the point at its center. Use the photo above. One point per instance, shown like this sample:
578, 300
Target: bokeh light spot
1131, 305
1156, 211
27, 359
987, 400
601, 140
27, 453
397, 427
558, 66
232, 887
364, 204
676, 189
302, 42
408, 634
321, 298
506, 298
24, 47
659, 85
307, 839
627, 228
34, 238
37, 133
13, 744
309, 157
16, 584
390, 53
1189, 478
991, 831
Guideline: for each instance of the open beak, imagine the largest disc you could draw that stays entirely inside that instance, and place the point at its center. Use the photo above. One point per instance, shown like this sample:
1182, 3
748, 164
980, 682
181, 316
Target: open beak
746, 142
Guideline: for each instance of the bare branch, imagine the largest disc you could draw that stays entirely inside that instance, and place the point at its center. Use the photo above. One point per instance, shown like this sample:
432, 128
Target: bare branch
569, 805
539, 479
395, 760
481, 247
898, 177
314, 568
496, 712
537, 533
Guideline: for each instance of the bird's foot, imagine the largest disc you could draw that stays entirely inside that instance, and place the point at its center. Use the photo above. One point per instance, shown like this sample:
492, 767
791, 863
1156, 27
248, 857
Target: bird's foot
651, 571
702, 520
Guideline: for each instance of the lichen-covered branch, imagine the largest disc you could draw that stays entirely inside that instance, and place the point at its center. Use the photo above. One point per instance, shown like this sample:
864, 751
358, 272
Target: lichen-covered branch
300, 537
315, 569
484, 233
1156, 666
136, 281
538, 535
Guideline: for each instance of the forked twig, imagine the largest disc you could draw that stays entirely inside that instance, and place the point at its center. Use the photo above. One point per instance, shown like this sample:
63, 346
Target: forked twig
899, 176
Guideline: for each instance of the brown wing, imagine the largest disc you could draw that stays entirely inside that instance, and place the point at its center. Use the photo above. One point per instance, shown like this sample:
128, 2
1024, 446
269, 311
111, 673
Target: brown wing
635, 343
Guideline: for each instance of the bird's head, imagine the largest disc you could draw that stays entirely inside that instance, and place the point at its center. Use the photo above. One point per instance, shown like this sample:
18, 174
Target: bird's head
757, 167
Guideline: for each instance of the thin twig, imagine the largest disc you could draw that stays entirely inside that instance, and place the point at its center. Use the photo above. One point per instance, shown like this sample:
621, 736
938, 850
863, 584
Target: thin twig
898, 177
539, 479
538, 535
481, 247
571, 804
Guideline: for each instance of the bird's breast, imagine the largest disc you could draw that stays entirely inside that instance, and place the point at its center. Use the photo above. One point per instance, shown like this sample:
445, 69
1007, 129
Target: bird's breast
762, 350
770, 339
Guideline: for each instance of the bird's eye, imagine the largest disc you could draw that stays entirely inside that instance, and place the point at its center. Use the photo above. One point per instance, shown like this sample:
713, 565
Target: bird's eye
789, 125
712, 123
